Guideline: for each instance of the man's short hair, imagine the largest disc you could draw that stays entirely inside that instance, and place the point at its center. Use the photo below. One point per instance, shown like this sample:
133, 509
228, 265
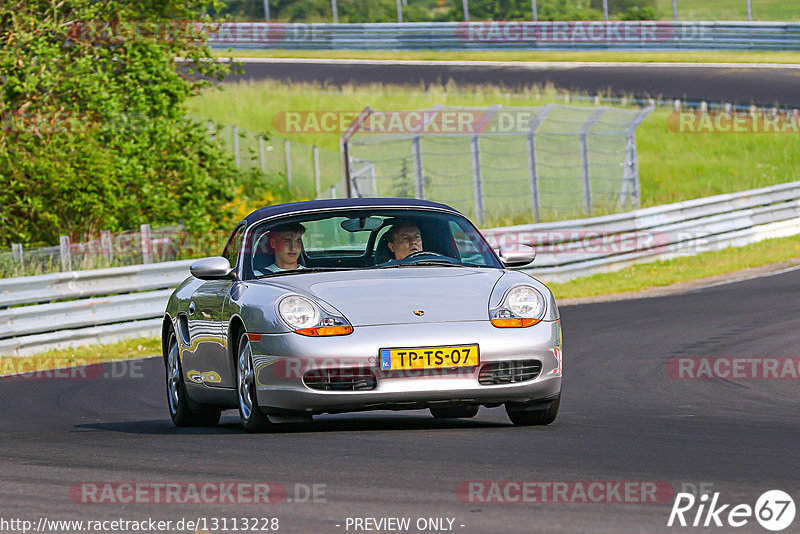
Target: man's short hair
293, 227
390, 234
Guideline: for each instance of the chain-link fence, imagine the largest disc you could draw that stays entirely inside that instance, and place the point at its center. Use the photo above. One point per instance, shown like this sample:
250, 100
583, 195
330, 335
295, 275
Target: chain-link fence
310, 171
501, 165
132, 247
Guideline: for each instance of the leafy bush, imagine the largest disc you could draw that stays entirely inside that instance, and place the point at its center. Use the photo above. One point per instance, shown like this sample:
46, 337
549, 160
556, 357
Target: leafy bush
94, 132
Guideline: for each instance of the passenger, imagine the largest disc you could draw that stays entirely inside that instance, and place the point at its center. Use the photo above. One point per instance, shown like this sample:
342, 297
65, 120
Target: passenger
287, 242
404, 239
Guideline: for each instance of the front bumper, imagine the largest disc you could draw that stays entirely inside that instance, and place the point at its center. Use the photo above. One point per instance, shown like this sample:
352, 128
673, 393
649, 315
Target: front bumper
280, 361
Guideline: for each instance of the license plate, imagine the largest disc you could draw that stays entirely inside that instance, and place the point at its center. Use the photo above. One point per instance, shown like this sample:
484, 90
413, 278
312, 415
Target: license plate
429, 357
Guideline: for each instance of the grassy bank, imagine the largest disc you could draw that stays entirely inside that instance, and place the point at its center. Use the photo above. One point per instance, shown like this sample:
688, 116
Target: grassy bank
673, 166
532, 55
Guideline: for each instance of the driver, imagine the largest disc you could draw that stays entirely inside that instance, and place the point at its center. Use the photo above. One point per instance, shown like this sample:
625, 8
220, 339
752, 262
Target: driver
287, 242
404, 239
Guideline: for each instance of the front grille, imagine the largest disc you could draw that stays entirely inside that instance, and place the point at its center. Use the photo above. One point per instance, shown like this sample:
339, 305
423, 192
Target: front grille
340, 379
509, 372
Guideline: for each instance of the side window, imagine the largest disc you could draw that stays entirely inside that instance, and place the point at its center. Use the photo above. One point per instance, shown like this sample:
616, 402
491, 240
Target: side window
231, 252
467, 248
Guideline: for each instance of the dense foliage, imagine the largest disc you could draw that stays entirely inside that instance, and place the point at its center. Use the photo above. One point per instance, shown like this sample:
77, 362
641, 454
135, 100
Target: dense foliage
435, 10
94, 132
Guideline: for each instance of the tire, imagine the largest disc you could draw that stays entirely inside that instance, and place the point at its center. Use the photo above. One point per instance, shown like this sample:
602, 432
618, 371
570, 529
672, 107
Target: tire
182, 411
535, 417
454, 412
251, 416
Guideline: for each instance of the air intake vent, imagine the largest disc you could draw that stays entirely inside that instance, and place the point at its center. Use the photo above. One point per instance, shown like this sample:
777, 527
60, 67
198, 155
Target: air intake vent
340, 379
509, 372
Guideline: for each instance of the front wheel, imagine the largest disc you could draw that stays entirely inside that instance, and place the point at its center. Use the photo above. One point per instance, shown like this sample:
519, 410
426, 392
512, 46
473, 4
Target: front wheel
535, 417
181, 410
253, 419
454, 412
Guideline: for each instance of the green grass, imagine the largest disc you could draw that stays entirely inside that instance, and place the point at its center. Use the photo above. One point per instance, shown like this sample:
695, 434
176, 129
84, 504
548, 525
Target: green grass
673, 166
664, 273
524, 55
763, 10
78, 356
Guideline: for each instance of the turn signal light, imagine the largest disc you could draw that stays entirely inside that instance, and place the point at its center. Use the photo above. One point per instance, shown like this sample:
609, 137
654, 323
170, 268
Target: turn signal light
514, 323
325, 331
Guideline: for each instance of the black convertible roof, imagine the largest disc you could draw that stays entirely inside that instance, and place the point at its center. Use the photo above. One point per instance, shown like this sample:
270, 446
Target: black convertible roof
312, 205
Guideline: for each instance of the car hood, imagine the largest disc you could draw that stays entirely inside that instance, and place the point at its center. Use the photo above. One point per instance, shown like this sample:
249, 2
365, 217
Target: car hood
392, 295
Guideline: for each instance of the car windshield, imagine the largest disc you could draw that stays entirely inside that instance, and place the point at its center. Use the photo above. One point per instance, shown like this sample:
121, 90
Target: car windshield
364, 239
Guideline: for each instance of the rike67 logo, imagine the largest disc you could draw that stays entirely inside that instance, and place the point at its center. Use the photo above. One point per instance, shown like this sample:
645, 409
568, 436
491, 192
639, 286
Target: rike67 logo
774, 510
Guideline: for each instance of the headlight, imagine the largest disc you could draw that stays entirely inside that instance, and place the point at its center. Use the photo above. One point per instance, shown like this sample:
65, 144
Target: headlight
525, 302
298, 312
522, 306
306, 318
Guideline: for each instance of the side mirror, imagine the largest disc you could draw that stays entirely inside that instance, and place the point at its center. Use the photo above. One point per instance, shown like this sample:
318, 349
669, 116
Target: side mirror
215, 268
517, 256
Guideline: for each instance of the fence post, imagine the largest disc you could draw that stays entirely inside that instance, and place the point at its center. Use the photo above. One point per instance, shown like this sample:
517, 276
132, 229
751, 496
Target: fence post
16, 250
236, 145
587, 184
533, 170
465, 4
399, 11
261, 153
211, 130
316, 170
266, 10
416, 156
535, 11
147, 244
674, 9
66, 257
605, 10
105, 243
477, 184
287, 147
749, 11
335, 10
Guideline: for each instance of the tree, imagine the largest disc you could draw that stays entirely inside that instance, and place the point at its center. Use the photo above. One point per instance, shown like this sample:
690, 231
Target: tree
94, 132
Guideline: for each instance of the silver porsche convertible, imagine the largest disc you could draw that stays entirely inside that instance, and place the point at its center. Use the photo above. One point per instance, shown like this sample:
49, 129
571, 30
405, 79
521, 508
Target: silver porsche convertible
333, 306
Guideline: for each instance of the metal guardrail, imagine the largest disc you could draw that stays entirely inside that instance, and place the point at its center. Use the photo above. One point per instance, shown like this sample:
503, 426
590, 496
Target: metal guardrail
74, 308
524, 35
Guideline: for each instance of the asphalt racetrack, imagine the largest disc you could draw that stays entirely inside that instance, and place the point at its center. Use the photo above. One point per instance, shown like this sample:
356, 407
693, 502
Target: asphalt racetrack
764, 86
624, 417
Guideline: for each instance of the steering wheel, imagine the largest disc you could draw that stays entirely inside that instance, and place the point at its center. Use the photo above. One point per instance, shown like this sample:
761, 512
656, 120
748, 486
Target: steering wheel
423, 253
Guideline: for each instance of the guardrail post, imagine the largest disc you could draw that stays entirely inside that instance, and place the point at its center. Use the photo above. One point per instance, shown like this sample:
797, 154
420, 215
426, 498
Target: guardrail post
236, 145
261, 153
416, 155
287, 148
316, 170
477, 181
16, 250
147, 244
66, 257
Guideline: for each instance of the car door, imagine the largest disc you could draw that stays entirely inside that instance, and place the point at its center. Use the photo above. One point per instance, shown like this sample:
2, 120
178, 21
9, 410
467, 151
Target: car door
209, 363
